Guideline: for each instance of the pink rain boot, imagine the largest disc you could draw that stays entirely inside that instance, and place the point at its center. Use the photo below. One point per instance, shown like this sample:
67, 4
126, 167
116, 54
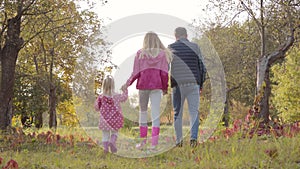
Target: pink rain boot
105, 146
143, 136
112, 144
155, 137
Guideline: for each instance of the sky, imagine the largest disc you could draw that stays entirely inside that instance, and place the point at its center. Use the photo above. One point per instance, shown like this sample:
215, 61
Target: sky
184, 9
123, 51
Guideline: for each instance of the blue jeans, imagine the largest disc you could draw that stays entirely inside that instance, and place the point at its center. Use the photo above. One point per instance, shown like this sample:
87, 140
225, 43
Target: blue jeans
192, 94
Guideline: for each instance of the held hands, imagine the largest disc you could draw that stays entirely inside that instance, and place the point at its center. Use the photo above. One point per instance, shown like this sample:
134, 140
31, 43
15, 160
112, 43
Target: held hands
124, 87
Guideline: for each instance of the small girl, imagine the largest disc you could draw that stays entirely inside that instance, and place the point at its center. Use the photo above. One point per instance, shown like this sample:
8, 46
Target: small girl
111, 116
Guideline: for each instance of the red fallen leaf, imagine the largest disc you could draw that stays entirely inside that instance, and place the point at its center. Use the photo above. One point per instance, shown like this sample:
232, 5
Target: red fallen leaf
49, 139
72, 140
271, 152
225, 152
11, 164
58, 137
143, 160
33, 134
197, 159
237, 125
90, 140
168, 139
49, 133
171, 163
1, 159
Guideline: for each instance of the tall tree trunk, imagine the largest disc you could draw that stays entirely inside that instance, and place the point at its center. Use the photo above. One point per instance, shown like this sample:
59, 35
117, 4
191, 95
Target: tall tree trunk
9, 55
264, 108
265, 93
169, 108
263, 89
52, 107
52, 93
264, 102
225, 118
263, 77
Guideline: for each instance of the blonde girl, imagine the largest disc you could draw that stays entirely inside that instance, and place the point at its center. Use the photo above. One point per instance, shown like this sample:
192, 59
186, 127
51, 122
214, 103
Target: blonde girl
150, 69
111, 117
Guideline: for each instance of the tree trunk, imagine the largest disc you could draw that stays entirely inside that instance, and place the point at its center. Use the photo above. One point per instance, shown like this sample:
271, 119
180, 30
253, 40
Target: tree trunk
9, 55
264, 91
169, 108
264, 107
263, 85
38, 121
52, 107
226, 116
226, 113
52, 93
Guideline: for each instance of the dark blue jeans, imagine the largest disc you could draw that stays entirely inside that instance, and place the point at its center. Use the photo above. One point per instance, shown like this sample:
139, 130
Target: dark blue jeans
192, 94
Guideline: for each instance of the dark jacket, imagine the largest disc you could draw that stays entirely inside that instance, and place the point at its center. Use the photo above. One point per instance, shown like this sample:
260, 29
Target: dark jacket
187, 66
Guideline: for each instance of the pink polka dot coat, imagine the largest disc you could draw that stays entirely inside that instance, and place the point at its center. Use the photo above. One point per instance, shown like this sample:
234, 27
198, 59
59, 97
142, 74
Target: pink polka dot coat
111, 116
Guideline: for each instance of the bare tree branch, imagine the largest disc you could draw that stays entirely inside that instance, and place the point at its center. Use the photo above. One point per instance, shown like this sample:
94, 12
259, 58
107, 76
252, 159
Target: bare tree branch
280, 53
251, 13
229, 22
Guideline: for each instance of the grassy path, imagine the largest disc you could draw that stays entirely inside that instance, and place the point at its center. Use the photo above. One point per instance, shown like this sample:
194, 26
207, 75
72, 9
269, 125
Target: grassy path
78, 152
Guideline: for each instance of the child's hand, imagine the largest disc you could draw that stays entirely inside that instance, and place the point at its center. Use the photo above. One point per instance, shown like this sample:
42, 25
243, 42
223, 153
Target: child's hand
124, 87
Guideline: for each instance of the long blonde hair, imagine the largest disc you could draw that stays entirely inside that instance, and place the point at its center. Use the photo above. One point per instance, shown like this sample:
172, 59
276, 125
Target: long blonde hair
108, 85
152, 47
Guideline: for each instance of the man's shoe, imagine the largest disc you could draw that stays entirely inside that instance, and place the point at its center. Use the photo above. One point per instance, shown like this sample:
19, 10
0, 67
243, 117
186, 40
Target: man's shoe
180, 144
193, 143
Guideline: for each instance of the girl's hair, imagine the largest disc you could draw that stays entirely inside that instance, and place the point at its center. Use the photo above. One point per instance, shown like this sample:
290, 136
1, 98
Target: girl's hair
152, 46
108, 85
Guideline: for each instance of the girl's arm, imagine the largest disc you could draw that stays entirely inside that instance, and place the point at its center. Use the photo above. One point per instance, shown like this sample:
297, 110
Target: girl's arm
97, 103
136, 71
164, 75
123, 97
164, 79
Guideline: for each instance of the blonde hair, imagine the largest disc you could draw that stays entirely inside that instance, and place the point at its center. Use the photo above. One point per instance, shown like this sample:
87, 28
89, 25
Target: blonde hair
108, 85
152, 47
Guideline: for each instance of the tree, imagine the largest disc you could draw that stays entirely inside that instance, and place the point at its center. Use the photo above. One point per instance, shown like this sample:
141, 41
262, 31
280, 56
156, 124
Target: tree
265, 61
286, 81
57, 48
11, 43
59, 31
237, 62
273, 19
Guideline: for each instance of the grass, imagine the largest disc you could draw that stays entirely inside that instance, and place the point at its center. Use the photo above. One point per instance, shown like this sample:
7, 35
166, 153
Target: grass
235, 152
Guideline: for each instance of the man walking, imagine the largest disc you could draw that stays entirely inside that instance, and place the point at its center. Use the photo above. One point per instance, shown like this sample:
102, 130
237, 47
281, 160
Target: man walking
187, 77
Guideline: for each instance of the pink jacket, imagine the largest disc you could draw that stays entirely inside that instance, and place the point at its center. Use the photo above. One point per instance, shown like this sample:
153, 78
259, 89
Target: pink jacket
150, 72
111, 116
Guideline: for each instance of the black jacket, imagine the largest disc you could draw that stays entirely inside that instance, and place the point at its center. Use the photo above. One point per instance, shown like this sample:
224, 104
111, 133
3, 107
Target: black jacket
187, 65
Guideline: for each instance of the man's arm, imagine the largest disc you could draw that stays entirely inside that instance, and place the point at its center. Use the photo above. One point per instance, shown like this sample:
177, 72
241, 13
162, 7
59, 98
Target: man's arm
201, 66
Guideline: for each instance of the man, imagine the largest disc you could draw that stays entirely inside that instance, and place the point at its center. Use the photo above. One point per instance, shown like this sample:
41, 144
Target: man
187, 77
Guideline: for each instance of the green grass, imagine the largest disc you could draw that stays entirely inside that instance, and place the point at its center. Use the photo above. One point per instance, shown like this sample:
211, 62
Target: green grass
258, 152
